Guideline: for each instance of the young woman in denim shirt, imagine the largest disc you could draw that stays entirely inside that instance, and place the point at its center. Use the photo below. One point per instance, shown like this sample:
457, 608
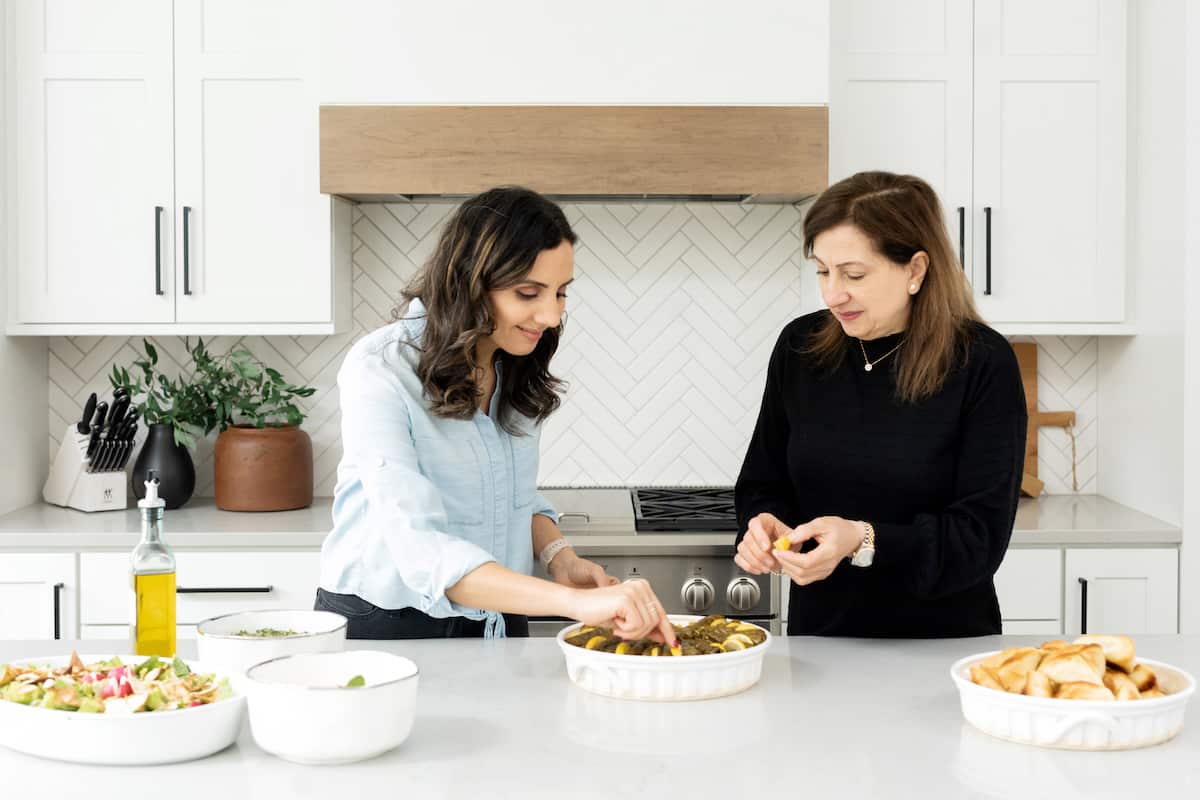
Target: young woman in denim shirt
436, 514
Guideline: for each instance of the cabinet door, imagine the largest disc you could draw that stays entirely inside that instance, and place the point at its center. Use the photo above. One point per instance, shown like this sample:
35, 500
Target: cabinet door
900, 97
93, 162
1029, 588
1049, 160
39, 595
254, 241
1128, 591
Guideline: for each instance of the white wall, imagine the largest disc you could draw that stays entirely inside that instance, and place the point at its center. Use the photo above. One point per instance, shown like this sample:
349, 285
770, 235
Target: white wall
1141, 377
23, 371
550, 51
1189, 591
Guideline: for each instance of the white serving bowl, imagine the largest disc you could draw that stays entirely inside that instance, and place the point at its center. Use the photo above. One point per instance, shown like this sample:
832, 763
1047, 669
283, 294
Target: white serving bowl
1076, 724
218, 646
676, 678
301, 710
158, 737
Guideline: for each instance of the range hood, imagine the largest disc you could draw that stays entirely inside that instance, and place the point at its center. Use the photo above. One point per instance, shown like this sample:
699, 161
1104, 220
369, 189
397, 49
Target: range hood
607, 153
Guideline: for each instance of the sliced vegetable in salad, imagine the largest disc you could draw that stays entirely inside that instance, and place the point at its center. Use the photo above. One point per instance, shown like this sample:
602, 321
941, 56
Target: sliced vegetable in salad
111, 687
267, 632
357, 680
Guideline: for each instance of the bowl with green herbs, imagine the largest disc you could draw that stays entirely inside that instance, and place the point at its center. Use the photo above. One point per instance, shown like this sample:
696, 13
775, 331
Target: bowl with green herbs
234, 642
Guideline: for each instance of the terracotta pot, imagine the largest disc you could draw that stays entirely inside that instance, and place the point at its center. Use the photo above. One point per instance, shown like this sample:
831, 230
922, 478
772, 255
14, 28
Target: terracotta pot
263, 469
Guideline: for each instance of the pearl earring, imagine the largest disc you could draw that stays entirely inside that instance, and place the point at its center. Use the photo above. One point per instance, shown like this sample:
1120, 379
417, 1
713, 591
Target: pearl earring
912, 287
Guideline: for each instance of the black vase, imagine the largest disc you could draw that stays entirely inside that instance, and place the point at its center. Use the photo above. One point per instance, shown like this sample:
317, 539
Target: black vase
171, 463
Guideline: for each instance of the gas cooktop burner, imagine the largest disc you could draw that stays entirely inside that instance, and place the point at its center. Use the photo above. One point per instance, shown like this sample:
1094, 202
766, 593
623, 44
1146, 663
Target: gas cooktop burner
697, 509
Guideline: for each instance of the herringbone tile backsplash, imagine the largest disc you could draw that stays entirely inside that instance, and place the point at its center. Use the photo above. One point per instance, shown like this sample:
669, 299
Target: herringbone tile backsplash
672, 318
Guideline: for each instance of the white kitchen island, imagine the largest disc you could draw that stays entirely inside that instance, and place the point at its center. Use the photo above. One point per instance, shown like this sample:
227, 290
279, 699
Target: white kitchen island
830, 719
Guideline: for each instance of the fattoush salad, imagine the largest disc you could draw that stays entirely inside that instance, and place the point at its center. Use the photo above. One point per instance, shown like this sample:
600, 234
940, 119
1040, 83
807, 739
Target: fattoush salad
111, 687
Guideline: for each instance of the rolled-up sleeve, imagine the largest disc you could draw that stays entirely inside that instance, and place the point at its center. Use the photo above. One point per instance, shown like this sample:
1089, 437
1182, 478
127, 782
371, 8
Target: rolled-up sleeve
404, 509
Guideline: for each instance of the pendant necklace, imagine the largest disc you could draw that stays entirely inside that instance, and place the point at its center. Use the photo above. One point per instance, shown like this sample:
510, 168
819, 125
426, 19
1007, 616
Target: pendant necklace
868, 364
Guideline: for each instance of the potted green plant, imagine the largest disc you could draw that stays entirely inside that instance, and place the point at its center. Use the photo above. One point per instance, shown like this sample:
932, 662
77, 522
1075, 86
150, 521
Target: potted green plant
175, 412
262, 460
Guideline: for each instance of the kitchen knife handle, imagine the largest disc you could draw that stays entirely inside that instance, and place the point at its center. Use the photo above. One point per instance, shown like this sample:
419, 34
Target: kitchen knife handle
224, 589
1082, 606
187, 261
89, 408
158, 211
987, 224
962, 237
58, 587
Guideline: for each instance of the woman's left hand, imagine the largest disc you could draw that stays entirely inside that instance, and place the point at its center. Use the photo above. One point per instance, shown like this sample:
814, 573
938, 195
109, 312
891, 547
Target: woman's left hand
569, 569
836, 538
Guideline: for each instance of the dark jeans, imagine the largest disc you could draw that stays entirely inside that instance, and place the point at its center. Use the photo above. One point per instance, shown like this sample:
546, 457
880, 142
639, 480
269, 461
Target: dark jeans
367, 621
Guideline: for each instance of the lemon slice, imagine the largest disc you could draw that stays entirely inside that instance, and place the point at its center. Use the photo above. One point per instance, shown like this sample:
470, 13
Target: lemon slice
654, 650
718, 647
622, 648
676, 651
745, 627
594, 642
783, 543
731, 644
740, 637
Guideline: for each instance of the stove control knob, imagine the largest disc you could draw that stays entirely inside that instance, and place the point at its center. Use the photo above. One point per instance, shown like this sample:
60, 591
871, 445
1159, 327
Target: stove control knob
698, 595
743, 594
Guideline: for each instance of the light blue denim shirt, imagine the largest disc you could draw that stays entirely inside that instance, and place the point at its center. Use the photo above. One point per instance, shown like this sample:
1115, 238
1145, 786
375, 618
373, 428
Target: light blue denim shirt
421, 500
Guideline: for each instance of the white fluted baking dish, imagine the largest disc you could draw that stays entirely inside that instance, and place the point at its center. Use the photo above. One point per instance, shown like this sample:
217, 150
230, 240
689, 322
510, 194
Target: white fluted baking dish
661, 678
1076, 724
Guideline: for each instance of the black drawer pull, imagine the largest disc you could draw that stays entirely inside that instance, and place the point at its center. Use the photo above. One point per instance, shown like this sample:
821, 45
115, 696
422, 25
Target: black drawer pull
158, 210
187, 248
1082, 605
987, 263
962, 238
224, 589
58, 587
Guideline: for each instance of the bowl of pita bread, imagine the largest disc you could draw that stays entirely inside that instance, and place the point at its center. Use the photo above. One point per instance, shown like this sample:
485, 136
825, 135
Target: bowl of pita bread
1093, 693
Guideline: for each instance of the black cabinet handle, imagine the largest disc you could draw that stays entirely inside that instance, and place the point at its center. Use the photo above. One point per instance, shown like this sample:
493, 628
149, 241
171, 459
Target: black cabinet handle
987, 220
224, 589
58, 587
962, 237
1083, 605
158, 210
187, 283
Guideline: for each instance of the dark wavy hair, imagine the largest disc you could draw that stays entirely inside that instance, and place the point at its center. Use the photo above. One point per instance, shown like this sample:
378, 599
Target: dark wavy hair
490, 242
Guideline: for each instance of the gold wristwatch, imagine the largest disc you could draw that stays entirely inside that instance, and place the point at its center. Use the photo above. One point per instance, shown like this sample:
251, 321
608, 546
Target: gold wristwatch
865, 554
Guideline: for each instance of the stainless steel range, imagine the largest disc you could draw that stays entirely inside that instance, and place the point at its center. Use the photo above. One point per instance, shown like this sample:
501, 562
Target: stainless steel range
678, 539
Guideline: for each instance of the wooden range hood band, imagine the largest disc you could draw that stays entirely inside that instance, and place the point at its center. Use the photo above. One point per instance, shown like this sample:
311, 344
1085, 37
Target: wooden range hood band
772, 152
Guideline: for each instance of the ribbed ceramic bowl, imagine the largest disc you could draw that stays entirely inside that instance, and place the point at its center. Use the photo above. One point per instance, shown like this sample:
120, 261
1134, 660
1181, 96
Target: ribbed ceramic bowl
1076, 724
663, 679
159, 737
219, 645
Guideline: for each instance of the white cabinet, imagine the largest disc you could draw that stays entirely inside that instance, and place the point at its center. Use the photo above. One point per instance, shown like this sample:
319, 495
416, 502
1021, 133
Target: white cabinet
1029, 588
1122, 591
1014, 112
167, 174
39, 595
208, 584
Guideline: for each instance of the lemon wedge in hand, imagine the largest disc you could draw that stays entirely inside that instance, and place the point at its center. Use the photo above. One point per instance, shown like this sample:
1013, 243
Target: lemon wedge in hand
783, 543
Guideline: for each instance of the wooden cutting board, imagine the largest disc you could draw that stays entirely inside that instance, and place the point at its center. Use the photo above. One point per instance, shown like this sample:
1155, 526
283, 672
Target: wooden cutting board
1027, 359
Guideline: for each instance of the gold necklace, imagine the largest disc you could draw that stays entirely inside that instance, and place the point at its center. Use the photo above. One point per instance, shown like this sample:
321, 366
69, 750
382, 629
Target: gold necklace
869, 363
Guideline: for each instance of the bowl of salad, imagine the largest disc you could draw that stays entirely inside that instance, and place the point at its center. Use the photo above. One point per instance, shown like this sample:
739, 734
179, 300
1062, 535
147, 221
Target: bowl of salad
116, 710
233, 642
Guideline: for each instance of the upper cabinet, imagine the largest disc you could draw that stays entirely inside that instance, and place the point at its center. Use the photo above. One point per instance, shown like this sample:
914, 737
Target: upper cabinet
1014, 111
167, 171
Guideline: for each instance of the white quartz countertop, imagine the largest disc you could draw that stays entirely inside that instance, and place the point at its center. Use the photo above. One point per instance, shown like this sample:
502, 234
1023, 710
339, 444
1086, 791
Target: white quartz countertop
830, 718
1049, 521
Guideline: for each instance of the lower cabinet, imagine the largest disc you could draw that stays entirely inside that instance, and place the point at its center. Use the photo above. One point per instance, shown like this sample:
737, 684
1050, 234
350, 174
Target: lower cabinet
1029, 588
1122, 591
208, 584
38, 595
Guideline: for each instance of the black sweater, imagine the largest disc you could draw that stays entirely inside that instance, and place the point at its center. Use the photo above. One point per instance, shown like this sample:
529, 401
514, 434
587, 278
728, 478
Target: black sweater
939, 481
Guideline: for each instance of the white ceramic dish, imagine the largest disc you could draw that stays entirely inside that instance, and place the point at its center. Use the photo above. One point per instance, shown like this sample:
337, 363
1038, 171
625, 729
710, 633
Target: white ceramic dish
219, 647
301, 709
160, 737
1076, 724
663, 679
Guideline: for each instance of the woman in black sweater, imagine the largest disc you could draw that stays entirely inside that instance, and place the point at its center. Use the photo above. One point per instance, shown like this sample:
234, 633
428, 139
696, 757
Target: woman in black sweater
891, 434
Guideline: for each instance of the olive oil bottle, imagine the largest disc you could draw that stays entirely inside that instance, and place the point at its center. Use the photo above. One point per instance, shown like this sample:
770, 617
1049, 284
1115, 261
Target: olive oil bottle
152, 574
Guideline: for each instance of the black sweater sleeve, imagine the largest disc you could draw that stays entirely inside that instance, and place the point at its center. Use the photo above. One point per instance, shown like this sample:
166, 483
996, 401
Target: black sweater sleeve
943, 552
763, 484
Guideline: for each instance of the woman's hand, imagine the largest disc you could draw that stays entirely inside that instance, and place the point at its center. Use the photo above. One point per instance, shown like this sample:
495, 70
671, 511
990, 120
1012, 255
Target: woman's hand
836, 538
629, 608
755, 553
569, 569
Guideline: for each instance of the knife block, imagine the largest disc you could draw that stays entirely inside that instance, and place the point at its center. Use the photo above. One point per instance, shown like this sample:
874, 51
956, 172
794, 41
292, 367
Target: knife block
70, 484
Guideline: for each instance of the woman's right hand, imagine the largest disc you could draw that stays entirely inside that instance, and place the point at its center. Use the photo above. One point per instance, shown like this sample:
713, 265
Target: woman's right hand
754, 552
630, 608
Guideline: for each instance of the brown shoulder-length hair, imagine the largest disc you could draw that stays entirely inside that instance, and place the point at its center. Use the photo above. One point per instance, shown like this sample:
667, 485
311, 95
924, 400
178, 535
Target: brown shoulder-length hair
490, 242
901, 216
